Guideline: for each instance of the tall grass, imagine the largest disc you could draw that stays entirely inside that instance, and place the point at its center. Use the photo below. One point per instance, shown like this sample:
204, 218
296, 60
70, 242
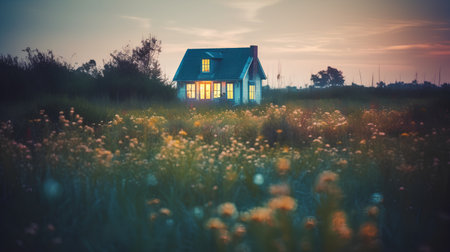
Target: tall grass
270, 178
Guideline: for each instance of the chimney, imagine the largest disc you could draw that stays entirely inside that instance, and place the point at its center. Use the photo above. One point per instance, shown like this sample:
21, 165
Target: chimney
254, 54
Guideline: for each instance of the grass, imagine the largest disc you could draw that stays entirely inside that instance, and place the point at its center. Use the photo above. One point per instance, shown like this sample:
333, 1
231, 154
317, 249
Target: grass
314, 175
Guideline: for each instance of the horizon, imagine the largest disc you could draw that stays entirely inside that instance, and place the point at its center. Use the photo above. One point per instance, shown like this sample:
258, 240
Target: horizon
402, 39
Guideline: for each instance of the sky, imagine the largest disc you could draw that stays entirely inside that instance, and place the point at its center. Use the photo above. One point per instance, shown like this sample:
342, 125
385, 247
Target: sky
388, 40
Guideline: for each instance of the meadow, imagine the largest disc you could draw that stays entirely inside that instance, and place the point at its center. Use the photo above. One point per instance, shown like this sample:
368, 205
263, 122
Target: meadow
312, 175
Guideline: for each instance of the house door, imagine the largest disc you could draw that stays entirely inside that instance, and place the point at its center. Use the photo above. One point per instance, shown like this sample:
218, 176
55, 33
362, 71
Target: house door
205, 90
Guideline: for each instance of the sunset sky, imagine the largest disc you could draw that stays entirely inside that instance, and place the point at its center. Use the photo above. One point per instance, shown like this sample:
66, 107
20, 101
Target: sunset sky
300, 37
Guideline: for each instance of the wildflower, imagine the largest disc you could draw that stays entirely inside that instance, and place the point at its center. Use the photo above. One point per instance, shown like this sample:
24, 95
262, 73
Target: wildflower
279, 131
368, 231
215, 224
224, 236
377, 198
405, 168
153, 216
310, 222
151, 180
404, 134
50, 227
281, 189
197, 124
239, 230
182, 133
198, 212
283, 165
363, 141
258, 179
52, 189
165, 211
284, 203
372, 211
326, 183
339, 225
342, 162
154, 201
261, 215
227, 209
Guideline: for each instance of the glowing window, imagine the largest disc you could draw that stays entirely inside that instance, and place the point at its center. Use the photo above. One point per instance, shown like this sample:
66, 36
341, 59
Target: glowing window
229, 90
190, 91
251, 92
205, 65
205, 90
208, 91
202, 91
216, 90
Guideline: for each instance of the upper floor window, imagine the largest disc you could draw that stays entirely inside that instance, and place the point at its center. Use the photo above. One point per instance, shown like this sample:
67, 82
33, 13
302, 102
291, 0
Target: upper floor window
205, 65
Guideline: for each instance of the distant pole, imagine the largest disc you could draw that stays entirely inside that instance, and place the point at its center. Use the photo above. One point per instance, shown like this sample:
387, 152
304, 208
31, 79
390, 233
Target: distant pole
372, 79
360, 78
439, 76
379, 73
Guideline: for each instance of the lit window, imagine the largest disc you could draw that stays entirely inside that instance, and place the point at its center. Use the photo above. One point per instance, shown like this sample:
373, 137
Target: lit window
216, 90
190, 91
205, 90
202, 91
208, 91
205, 65
251, 92
229, 90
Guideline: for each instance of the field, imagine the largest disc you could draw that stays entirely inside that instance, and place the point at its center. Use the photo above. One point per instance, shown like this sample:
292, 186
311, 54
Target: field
316, 175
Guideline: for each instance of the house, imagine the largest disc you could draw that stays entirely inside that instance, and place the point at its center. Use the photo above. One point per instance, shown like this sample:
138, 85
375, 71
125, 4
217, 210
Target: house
220, 74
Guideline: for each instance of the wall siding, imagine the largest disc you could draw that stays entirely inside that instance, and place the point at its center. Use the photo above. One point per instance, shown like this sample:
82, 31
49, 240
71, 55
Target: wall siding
245, 89
181, 94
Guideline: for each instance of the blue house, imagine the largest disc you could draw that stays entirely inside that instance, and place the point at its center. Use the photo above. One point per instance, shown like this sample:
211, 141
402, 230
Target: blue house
227, 74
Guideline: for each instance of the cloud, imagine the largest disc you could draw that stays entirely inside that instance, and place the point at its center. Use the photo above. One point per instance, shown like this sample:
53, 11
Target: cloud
209, 33
409, 47
250, 8
208, 37
143, 22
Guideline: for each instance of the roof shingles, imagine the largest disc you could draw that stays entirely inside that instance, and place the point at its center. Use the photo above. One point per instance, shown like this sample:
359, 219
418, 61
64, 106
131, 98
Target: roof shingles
227, 67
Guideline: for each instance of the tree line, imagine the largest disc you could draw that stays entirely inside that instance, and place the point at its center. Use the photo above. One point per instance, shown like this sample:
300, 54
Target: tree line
129, 73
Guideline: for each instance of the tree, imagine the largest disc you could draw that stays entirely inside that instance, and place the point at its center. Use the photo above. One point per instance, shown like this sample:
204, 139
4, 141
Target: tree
143, 58
329, 77
90, 68
136, 73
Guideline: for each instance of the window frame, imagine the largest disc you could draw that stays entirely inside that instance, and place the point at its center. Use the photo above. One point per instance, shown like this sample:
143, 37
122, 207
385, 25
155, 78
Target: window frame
230, 95
251, 93
206, 65
192, 91
216, 92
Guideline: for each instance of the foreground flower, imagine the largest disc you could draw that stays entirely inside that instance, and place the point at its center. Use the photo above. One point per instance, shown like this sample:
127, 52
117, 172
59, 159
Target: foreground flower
326, 183
261, 215
339, 225
283, 165
368, 231
310, 222
227, 209
281, 189
215, 224
165, 211
284, 203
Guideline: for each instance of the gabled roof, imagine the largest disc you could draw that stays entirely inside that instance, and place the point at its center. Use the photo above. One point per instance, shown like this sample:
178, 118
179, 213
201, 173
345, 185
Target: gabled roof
227, 64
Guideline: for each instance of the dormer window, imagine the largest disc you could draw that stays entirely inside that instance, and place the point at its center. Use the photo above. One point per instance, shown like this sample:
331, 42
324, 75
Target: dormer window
205, 66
